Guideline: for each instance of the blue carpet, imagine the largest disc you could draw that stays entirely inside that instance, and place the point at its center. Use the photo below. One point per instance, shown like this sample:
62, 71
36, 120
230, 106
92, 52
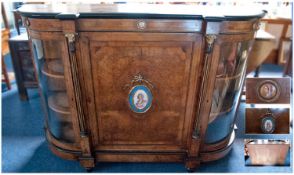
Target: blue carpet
24, 148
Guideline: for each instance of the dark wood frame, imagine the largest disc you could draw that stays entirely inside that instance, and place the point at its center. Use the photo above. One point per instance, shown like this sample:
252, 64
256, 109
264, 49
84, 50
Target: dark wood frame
17, 48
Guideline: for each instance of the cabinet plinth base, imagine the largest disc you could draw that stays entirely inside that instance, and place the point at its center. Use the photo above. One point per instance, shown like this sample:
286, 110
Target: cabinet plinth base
219, 153
191, 163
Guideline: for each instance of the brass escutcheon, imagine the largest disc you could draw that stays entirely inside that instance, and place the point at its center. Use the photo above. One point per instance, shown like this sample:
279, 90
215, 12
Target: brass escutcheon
141, 25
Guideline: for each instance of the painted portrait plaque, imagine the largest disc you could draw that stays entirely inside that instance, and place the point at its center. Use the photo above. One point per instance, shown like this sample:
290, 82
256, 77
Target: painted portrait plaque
140, 99
268, 124
268, 91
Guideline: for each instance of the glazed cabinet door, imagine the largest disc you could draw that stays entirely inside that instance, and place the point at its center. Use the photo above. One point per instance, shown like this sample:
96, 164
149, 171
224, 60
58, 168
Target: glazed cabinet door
50, 58
230, 54
142, 87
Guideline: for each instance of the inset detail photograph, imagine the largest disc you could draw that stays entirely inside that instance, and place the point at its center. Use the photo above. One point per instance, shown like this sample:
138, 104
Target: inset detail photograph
267, 121
268, 90
260, 152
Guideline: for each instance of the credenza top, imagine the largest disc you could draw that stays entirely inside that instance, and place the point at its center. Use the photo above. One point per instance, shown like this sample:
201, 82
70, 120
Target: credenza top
146, 11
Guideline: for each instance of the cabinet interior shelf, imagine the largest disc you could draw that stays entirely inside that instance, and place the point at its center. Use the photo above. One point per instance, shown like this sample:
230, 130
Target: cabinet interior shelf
59, 103
232, 77
53, 69
214, 115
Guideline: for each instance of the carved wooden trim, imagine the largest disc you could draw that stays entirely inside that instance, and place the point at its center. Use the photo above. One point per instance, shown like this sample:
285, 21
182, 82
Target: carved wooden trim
52, 140
217, 154
86, 159
76, 84
209, 47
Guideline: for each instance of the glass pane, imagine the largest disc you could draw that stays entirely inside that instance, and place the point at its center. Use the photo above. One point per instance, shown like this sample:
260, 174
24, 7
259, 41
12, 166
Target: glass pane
227, 89
47, 55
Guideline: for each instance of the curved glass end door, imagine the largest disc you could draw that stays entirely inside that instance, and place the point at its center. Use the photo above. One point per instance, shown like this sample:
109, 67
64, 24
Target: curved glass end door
50, 71
227, 89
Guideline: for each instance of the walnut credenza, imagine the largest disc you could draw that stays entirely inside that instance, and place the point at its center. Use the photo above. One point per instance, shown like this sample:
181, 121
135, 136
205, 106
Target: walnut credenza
143, 83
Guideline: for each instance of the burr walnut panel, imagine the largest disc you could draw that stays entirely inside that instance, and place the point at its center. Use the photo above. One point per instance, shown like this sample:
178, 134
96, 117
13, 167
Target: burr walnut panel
164, 122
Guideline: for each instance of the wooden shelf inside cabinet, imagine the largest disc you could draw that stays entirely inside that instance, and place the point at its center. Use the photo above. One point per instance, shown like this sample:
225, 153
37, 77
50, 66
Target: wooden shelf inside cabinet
226, 85
214, 115
222, 112
223, 77
53, 69
59, 103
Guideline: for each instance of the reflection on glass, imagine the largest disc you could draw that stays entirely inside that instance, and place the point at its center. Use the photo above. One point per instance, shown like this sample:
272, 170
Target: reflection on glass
47, 55
227, 90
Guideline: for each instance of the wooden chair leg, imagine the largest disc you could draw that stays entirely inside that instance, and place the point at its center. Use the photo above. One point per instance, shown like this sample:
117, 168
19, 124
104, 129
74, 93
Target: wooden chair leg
17, 25
5, 74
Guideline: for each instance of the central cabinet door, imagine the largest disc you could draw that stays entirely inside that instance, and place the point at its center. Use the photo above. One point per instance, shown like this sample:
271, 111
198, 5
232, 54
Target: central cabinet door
139, 83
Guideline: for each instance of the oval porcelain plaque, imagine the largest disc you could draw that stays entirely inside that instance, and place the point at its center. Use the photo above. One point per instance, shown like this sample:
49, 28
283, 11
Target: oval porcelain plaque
268, 125
140, 99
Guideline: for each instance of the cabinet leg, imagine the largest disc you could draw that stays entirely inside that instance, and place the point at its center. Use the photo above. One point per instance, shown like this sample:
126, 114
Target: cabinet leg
87, 162
192, 164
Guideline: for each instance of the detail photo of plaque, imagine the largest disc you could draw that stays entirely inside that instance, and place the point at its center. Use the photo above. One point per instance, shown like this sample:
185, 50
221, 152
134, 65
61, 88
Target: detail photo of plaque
267, 121
268, 90
268, 124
